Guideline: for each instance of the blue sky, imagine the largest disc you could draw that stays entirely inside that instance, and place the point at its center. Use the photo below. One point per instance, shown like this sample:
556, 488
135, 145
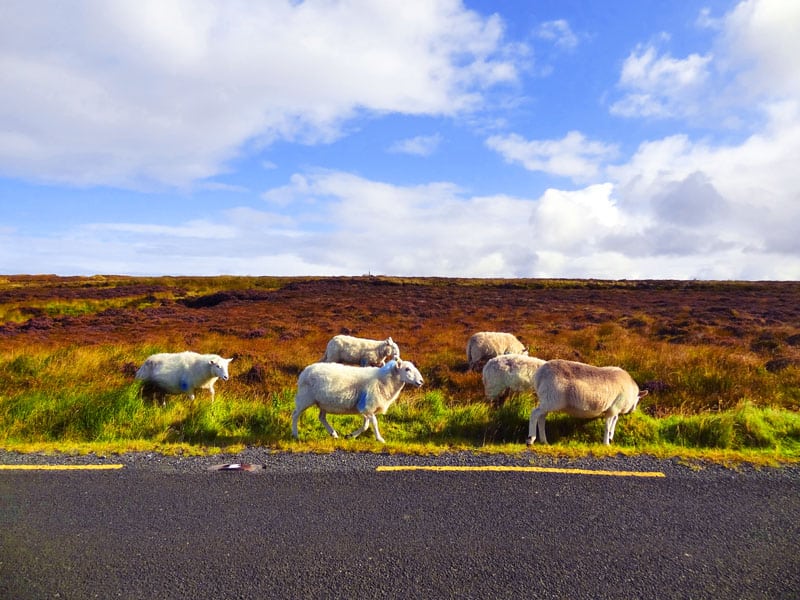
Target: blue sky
639, 139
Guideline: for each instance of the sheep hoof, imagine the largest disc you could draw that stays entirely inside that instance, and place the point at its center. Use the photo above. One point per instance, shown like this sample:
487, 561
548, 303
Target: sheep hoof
529, 441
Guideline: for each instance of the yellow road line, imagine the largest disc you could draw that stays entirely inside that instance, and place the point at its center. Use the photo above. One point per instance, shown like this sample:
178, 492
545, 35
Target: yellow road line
527, 469
59, 467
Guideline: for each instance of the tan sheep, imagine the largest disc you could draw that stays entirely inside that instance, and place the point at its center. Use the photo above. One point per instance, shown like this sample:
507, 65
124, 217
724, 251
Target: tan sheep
582, 391
509, 373
487, 344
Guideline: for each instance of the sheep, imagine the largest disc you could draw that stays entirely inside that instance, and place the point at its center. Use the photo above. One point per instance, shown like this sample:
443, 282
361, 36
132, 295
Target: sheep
360, 351
509, 373
583, 391
487, 344
182, 373
349, 390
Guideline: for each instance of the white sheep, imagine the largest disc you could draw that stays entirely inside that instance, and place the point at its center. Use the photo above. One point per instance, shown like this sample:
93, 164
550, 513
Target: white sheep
360, 351
487, 344
182, 373
509, 373
348, 390
583, 391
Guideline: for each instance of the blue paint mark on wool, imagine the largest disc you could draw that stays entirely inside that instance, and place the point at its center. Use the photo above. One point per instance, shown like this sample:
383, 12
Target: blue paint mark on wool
184, 385
361, 404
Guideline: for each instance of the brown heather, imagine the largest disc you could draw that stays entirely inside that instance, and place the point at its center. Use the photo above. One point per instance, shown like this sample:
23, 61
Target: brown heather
703, 349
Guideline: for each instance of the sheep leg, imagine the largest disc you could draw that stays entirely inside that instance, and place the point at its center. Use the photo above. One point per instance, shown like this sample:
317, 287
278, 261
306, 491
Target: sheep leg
536, 421
361, 429
502, 397
378, 435
324, 420
295, 417
540, 424
611, 424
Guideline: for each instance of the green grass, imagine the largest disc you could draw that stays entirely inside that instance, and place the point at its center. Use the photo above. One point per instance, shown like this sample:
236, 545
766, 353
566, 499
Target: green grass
118, 419
715, 399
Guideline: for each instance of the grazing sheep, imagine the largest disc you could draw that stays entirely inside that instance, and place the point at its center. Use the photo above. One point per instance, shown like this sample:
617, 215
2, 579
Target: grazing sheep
509, 373
348, 390
583, 391
360, 351
487, 344
182, 373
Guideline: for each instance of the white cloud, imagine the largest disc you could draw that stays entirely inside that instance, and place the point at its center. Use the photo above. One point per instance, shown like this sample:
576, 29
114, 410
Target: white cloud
760, 42
139, 93
559, 33
421, 145
678, 207
660, 85
675, 210
203, 230
751, 60
734, 202
572, 156
571, 221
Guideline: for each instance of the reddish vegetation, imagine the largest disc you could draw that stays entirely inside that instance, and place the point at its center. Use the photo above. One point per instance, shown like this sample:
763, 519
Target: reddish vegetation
286, 323
679, 311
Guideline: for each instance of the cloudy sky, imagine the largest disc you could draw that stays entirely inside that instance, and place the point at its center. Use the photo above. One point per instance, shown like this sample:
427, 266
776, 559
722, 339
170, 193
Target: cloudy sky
638, 139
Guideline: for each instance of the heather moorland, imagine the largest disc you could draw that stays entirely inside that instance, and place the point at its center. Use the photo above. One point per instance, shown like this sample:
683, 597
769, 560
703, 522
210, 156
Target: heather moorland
721, 360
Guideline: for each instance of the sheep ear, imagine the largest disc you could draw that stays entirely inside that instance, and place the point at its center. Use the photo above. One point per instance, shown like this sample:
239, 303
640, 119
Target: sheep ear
643, 393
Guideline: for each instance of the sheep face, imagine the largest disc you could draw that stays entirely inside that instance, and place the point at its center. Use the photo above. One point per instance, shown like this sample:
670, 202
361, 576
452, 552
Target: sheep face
634, 403
407, 372
219, 368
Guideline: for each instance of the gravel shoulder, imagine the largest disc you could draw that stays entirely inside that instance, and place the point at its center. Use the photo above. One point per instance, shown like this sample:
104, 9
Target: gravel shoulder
341, 461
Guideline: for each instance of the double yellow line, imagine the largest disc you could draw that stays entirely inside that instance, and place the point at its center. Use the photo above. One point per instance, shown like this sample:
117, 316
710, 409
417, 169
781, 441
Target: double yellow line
524, 469
60, 467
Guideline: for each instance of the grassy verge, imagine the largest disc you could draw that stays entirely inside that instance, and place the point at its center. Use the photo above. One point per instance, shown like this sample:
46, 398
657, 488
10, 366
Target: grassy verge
120, 420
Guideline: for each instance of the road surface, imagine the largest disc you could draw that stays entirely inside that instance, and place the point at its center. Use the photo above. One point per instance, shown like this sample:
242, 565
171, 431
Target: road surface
334, 526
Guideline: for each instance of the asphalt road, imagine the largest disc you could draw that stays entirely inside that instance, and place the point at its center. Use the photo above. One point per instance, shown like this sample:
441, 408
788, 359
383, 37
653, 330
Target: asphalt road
332, 526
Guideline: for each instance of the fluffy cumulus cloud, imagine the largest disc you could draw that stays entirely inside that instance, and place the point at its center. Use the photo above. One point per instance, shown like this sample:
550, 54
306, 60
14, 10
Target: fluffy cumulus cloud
752, 60
678, 206
700, 200
730, 208
573, 156
153, 93
759, 42
430, 229
659, 85
122, 92
320, 222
